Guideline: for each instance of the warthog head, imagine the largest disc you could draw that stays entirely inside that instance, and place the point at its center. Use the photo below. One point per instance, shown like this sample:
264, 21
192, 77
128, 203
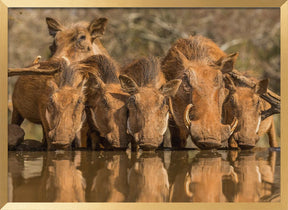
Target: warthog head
245, 104
147, 106
109, 114
106, 101
203, 89
77, 41
65, 109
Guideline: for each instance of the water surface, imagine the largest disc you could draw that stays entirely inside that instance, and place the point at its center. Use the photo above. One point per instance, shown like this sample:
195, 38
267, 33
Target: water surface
161, 176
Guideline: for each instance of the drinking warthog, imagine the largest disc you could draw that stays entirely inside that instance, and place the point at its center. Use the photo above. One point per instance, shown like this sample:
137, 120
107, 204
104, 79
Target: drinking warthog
197, 105
244, 103
106, 103
32, 93
58, 108
147, 107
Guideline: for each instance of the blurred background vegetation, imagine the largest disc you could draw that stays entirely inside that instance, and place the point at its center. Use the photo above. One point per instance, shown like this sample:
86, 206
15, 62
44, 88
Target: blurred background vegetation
134, 33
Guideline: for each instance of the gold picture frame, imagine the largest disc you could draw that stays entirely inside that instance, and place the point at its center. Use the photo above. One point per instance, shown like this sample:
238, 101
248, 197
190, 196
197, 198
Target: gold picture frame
6, 4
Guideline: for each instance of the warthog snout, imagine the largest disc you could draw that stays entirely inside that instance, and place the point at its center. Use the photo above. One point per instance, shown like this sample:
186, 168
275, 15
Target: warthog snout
146, 142
113, 139
245, 142
60, 139
208, 135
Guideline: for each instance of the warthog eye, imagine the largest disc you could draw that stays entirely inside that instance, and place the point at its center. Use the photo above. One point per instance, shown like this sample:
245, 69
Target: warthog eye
258, 104
82, 37
50, 107
104, 101
163, 104
79, 101
132, 102
232, 99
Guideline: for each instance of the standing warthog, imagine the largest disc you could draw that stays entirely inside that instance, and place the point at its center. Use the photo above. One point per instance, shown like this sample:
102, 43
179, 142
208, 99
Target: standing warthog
244, 103
59, 108
65, 112
107, 103
32, 93
148, 112
200, 64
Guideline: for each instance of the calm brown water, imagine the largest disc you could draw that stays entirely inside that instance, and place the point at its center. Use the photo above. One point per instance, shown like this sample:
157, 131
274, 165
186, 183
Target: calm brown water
164, 176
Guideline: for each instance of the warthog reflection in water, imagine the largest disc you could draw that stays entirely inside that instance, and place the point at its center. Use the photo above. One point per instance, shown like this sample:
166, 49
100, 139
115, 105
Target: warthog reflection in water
185, 176
58, 179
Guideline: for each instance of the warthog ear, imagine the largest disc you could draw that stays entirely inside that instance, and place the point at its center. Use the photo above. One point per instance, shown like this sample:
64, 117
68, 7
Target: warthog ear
97, 27
171, 87
261, 87
52, 85
128, 85
53, 26
181, 58
227, 63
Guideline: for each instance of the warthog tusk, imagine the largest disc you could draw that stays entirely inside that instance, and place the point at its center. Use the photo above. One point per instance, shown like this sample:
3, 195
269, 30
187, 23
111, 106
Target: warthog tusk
187, 120
233, 125
187, 185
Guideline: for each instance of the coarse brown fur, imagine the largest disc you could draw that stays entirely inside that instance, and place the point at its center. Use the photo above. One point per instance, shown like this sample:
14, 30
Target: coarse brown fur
245, 103
31, 93
200, 64
106, 101
148, 111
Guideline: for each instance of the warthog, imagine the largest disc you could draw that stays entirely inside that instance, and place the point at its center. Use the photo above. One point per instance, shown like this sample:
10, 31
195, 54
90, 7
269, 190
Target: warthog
200, 64
32, 93
244, 103
107, 103
147, 107
58, 108
78, 41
